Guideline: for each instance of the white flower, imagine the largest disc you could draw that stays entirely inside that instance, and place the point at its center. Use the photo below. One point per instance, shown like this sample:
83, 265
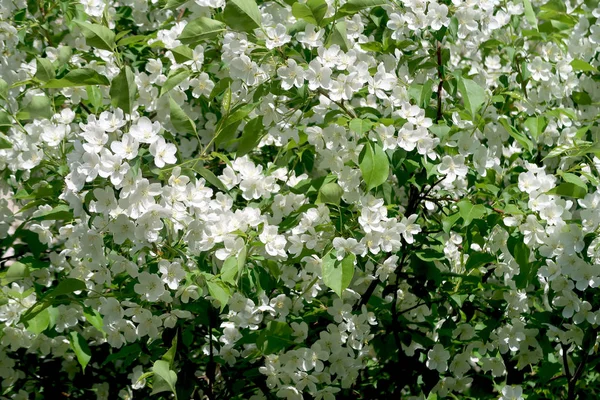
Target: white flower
291, 75
437, 358
150, 286
126, 148
514, 392
164, 153
453, 167
202, 86
409, 228
172, 273
145, 131
276, 37
318, 76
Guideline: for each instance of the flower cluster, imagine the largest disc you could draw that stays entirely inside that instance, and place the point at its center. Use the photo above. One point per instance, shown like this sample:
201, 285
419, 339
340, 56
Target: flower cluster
299, 199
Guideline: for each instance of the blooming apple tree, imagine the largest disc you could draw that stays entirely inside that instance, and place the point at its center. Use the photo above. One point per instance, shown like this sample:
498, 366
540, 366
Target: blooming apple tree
319, 199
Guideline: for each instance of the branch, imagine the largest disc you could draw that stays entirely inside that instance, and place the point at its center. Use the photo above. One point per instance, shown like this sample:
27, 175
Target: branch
395, 327
566, 363
340, 104
588, 341
441, 84
367, 294
211, 367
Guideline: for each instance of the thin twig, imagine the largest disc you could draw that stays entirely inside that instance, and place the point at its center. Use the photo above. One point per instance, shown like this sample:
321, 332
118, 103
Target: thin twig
439, 115
340, 104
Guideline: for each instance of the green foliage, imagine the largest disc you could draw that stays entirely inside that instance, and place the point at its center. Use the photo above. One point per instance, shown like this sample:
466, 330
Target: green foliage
337, 274
81, 349
242, 15
78, 77
123, 90
98, 36
180, 120
374, 165
313, 11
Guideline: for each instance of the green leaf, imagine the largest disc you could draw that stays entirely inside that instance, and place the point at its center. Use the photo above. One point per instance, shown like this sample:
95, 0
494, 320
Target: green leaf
78, 77
581, 98
473, 95
94, 96
477, 259
130, 350
121, 34
313, 11
182, 53
469, 211
40, 106
220, 87
430, 255
94, 318
123, 90
4, 141
16, 272
162, 369
134, 39
229, 270
530, 14
547, 371
330, 193
338, 36
174, 4
580, 65
226, 101
174, 79
520, 253
523, 140
555, 5
581, 132
242, 15
253, 132
421, 93
210, 177
569, 189
64, 54
337, 274
180, 120
574, 179
45, 70
3, 89
219, 291
275, 337
34, 310
200, 29
61, 212
536, 125
374, 165
65, 286
39, 323
587, 149
353, 6
169, 356
360, 126
81, 349
98, 36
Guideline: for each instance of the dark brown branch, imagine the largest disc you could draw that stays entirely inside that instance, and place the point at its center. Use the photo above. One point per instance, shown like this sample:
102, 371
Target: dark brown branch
211, 367
367, 294
439, 115
566, 362
86, 108
588, 341
395, 327
340, 104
